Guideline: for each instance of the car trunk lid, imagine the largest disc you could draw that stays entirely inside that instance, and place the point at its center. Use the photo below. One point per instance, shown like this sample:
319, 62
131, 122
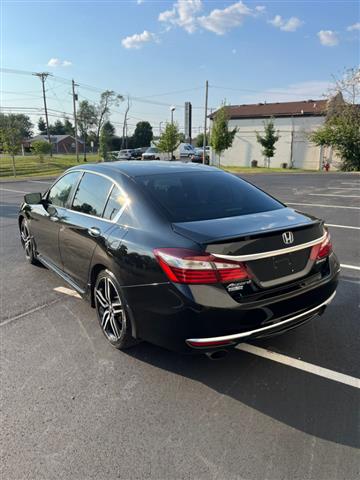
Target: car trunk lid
275, 245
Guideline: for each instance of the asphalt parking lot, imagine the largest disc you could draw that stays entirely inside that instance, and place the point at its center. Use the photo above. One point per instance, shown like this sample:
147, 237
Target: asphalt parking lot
75, 408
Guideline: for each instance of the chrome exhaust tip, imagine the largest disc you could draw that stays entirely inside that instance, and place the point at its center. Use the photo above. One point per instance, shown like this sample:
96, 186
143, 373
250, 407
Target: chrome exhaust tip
217, 354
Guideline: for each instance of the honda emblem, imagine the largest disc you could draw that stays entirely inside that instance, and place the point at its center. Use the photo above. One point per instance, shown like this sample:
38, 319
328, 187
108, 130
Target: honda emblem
288, 238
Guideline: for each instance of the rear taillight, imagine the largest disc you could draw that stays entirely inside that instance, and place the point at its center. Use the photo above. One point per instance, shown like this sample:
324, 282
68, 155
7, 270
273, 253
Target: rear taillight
323, 249
188, 266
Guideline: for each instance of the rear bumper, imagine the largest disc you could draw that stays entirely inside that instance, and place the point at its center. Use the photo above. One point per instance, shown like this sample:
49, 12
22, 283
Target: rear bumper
276, 327
173, 315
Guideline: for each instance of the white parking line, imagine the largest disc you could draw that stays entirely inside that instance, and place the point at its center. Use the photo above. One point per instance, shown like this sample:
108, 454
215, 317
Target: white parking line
39, 181
341, 226
300, 365
351, 267
321, 205
67, 291
351, 183
333, 195
342, 188
15, 191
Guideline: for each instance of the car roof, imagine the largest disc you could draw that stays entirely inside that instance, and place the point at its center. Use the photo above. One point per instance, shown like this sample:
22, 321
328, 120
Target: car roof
137, 167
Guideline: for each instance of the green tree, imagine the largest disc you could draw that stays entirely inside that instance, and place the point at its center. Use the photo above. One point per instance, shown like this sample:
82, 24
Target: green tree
18, 120
268, 141
87, 119
108, 99
143, 135
41, 148
199, 140
169, 139
10, 137
221, 137
57, 129
342, 132
41, 126
106, 135
68, 127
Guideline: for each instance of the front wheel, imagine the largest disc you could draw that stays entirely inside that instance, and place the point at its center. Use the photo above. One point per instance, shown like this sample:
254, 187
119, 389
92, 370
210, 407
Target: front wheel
111, 313
27, 242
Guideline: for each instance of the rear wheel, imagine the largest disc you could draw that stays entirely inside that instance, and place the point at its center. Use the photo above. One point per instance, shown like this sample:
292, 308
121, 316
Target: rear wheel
27, 242
111, 312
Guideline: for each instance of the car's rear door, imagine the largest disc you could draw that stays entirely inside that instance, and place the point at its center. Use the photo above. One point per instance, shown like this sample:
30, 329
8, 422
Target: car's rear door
47, 217
96, 204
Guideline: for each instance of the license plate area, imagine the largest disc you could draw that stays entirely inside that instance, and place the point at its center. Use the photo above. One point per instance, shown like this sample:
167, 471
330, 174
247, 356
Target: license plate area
277, 267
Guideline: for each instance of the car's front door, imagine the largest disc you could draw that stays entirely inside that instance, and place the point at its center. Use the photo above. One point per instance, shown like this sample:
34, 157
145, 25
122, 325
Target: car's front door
47, 217
87, 224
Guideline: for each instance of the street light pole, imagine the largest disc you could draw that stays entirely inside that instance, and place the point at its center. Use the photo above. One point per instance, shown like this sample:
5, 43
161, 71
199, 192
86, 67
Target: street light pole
205, 121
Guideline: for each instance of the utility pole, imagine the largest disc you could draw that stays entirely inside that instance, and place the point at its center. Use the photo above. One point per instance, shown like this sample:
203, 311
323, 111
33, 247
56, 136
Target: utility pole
43, 76
205, 119
75, 97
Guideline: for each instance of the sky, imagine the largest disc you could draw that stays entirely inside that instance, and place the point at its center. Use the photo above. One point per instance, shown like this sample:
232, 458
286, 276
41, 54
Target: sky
160, 53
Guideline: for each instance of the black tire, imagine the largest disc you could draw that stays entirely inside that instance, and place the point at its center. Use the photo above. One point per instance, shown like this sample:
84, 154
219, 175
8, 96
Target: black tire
27, 242
111, 312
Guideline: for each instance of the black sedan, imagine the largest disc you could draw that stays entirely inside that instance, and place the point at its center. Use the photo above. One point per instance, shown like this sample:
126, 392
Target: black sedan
181, 255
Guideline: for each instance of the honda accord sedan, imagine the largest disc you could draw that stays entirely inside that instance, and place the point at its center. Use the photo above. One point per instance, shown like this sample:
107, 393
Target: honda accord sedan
185, 256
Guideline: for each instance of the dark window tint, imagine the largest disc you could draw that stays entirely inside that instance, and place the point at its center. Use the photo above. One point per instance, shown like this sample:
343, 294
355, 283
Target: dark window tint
60, 192
116, 202
91, 194
192, 196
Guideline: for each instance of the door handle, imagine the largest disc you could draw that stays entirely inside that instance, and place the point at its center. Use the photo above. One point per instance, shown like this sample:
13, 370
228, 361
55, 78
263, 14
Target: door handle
94, 232
54, 219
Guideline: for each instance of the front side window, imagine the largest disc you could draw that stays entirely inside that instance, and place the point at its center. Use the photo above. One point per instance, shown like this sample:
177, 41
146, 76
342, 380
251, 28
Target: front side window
92, 194
117, 200
59, 194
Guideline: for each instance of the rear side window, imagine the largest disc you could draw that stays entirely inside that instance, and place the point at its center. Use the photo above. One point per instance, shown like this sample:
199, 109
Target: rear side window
117, 200
92, 194
59, 194
194, 196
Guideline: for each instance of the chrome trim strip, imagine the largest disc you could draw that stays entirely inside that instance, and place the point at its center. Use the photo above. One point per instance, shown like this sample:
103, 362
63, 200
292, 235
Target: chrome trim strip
272, 253
237, 336
114, 182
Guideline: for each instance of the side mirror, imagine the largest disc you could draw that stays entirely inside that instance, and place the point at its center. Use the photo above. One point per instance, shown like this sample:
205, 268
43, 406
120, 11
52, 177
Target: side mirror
33, 198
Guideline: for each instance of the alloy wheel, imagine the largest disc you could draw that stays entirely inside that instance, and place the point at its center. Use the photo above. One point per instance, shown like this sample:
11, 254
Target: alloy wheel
110, 309
26, 240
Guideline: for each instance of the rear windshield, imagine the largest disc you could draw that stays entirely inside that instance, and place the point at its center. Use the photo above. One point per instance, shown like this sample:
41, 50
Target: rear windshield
194, 196
152, 150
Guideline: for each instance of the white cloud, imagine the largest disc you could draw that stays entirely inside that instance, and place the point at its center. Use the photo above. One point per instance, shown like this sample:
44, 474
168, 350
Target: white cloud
313, 89
183, 14
290, 25
139, 2
328, 38
138, 40
260, 8
56, 62
355, 26
221, 21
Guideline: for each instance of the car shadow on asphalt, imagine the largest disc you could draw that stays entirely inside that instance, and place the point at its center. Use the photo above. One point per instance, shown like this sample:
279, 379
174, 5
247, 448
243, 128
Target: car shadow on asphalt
311, 404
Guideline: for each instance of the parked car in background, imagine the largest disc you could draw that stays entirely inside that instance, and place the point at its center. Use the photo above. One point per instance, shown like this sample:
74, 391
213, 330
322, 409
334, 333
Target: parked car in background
184, 151
200, 152
125, 154
187, 257
153, 153
136, 154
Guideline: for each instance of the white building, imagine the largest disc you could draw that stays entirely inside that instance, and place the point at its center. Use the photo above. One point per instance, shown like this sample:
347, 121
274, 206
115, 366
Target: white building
293, 121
